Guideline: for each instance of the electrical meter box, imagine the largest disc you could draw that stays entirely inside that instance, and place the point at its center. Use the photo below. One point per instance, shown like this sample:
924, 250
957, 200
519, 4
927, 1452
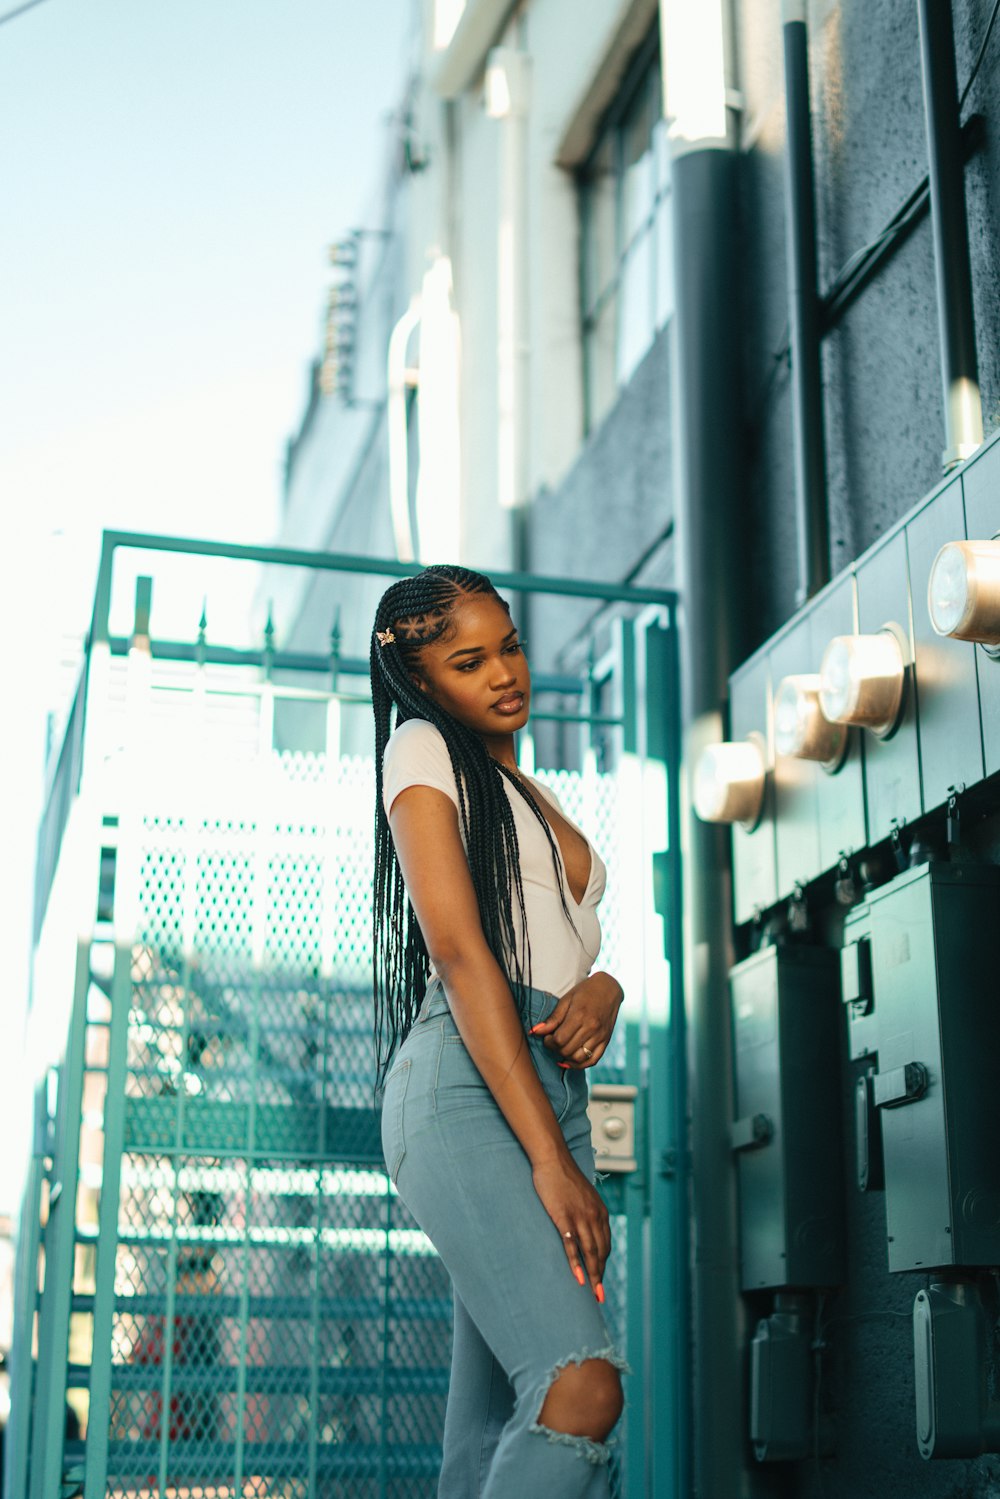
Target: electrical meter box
787, 1137
919, 978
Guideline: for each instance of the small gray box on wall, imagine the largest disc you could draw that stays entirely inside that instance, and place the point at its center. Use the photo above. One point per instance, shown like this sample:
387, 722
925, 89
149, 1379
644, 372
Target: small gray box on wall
786, 1137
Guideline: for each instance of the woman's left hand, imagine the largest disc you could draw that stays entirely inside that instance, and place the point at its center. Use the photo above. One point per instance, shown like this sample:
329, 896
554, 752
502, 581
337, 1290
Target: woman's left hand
580, 1026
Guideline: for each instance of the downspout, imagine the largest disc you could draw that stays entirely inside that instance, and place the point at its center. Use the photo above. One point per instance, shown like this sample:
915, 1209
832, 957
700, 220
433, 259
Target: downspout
812, 515
508, 77
708, 494
963, 412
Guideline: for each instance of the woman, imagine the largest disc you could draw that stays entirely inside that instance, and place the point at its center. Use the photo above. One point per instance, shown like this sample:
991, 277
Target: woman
485, 911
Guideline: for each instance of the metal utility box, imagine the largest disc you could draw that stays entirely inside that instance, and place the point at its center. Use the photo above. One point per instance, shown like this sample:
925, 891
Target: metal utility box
892, 765
754, 867
981, 488
951, 746
787, 1132
920, 968
796, 804
840, 795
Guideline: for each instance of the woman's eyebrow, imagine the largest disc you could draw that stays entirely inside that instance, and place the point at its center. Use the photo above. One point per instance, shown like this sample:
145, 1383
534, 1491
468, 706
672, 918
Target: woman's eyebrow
473, 650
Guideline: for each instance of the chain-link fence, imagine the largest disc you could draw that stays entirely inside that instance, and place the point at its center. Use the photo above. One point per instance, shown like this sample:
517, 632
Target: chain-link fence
281, 1327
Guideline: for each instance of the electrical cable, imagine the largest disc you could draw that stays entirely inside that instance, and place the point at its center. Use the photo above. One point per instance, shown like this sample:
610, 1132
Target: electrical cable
982, 53
845, 282
19, 10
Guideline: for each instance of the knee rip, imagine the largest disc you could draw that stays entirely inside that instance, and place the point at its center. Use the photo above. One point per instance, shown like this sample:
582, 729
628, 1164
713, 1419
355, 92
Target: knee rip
581, 1402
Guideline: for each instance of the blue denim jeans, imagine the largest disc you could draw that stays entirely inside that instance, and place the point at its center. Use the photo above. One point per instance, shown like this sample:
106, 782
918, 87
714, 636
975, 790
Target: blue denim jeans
520, 1316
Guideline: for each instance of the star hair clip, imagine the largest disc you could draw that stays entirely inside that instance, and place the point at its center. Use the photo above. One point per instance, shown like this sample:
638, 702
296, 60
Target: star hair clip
385, 637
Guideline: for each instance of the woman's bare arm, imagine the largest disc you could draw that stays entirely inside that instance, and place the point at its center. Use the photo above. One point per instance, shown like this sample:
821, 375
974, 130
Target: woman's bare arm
424, 824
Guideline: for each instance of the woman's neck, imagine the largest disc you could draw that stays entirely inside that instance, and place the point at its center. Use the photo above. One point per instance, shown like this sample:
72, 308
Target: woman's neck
501, 747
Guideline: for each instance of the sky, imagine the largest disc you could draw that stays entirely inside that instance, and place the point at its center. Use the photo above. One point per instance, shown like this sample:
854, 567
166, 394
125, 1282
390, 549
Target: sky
172, 173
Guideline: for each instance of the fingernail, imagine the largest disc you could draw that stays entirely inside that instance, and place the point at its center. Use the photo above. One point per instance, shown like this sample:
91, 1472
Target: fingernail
599, 1293
578, 1272
562, 1064
535, 1028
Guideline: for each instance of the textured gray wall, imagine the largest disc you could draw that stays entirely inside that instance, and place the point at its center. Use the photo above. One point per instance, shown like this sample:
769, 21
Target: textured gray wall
885, 435
612, 515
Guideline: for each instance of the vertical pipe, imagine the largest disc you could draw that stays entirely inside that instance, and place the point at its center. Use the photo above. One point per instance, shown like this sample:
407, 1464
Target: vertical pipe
963, 413
812, 518
705, 382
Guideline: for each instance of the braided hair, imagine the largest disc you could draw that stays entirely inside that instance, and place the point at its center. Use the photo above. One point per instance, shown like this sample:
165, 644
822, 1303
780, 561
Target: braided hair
418, 611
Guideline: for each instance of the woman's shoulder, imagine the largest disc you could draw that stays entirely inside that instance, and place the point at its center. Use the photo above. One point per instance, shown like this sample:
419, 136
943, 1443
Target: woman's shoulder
417, 755
416, 738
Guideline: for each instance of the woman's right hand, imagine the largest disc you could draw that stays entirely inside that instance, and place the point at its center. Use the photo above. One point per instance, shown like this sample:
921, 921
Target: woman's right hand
580, 1217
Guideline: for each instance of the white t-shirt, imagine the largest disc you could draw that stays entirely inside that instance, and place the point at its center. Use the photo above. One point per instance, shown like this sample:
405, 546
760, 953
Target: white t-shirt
562, 953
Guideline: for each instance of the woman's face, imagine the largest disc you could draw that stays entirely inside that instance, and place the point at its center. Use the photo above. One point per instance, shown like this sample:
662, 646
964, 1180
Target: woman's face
479, 674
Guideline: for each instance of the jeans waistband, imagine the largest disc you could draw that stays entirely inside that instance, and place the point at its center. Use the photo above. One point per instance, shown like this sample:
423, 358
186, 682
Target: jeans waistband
539, 1003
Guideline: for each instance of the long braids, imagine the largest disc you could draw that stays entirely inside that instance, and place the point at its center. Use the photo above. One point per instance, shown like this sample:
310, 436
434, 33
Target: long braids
417, 611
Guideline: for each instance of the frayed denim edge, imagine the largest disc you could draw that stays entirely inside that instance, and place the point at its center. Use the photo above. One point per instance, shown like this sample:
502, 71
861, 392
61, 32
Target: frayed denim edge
597, 1453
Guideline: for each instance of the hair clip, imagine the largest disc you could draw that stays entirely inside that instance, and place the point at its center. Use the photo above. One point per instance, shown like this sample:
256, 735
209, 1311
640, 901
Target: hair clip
385, 637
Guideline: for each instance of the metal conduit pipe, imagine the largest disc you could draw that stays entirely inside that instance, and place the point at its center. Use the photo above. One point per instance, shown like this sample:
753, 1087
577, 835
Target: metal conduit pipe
804, 321
712, 582
963, 412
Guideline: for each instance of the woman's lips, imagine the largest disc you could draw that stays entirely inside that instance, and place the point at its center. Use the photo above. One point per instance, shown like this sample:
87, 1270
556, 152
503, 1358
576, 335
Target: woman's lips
512, 704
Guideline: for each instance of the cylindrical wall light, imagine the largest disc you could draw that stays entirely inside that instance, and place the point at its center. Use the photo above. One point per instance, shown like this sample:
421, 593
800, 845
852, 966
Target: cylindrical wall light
963, 592
863, 678
800, 726
729, 782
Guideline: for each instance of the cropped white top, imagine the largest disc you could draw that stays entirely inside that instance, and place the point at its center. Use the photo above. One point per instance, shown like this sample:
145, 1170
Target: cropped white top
562, 951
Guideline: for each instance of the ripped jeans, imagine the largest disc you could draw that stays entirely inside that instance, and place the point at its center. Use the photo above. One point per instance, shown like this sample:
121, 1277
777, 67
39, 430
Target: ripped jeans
520, 1316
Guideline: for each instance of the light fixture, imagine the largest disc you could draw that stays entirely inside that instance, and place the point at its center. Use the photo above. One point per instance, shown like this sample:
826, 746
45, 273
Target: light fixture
862, 679
963, 592
729, 782
800, 726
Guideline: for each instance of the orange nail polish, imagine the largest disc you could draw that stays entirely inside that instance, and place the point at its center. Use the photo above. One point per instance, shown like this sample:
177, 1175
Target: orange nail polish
535, 1028
563, 1064
599, 1293
578, 1272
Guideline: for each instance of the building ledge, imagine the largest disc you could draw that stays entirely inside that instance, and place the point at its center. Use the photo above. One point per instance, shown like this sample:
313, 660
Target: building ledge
453, 70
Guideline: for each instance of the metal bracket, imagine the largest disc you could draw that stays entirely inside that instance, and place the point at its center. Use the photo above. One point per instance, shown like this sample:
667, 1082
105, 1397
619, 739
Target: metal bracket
752, 1132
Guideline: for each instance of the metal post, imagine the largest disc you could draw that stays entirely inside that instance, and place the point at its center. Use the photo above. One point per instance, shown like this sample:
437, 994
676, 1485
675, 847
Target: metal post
963, 412
812, 518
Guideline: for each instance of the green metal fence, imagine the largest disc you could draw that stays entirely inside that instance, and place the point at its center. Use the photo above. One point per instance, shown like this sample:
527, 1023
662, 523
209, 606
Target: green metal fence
231, 1299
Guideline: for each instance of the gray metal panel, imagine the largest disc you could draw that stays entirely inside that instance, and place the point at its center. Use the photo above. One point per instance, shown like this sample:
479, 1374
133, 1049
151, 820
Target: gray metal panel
934, 937
981, 486
840, 796
918, 1212
754, 868
967, 938
796, 808
785, 1018
951, 749
892, 766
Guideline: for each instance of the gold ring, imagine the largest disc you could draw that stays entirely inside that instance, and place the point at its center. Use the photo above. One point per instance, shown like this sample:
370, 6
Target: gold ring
587, 1052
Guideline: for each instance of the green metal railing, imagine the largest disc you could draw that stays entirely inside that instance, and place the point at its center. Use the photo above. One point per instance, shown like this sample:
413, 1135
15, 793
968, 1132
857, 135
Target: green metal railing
234, 1300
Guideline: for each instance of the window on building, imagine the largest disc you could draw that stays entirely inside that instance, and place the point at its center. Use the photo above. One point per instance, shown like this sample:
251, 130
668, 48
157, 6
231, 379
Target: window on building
626, 271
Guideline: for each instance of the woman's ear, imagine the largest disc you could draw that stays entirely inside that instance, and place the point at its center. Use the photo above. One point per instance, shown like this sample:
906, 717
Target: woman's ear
418, 681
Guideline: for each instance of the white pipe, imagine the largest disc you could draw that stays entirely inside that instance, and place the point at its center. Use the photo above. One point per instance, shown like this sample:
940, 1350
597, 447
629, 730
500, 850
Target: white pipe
507, 87
400, 378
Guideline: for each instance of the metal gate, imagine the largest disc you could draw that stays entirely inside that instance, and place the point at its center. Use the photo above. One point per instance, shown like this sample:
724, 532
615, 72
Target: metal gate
219, 1292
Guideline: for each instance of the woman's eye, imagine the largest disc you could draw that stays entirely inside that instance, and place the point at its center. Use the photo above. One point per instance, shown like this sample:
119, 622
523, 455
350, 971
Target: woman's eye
468, 665
515, 647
